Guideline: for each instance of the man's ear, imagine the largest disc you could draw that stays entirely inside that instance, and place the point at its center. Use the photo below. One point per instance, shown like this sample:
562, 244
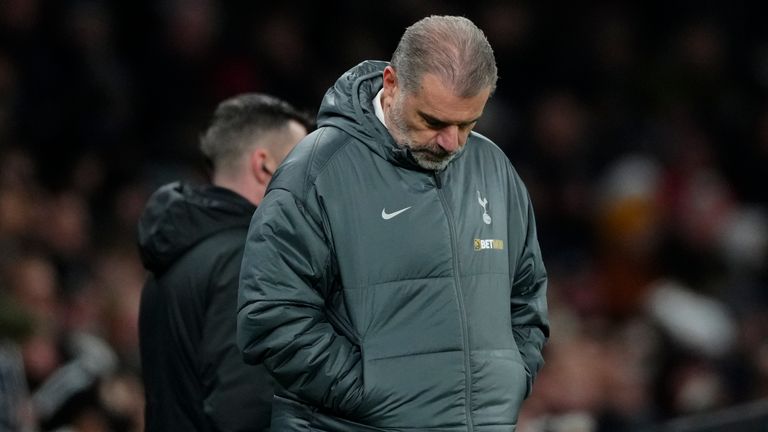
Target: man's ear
258, 160
390, 81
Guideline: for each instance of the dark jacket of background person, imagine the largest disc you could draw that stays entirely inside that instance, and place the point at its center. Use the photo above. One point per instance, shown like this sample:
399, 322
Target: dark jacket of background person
376, 322
191, 240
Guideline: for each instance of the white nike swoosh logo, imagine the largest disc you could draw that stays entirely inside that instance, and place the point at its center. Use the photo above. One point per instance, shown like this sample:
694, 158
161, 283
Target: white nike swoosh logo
387, 216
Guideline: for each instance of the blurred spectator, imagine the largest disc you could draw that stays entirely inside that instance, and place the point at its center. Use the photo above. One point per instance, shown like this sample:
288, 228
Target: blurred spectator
15, 407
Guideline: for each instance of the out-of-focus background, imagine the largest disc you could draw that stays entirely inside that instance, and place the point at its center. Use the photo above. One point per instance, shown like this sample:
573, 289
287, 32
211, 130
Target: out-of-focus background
640, 128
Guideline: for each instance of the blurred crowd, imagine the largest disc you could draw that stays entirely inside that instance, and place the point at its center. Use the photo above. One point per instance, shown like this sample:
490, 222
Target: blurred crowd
640, 128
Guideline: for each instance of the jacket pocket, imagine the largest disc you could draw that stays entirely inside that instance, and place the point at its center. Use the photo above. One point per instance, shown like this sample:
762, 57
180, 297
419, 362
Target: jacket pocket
528, 377
325, 423
289, 415
499, 385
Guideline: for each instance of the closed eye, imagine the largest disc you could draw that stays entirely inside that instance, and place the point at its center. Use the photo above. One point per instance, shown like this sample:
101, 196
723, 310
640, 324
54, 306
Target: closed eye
433, 123
467, 126
437, 124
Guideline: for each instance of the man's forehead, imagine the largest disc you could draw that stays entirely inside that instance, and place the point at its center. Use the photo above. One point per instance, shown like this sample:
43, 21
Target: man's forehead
437, 100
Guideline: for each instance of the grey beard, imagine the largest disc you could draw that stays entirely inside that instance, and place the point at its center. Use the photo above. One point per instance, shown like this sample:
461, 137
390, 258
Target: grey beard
430, 161
425, 157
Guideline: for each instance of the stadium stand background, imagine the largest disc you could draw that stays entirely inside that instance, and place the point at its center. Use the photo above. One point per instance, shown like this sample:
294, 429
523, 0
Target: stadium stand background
641, 129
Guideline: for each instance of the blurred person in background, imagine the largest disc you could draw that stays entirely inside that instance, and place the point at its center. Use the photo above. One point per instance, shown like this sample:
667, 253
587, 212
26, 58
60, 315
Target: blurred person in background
191, 240
16, 326
63, 367
392, 276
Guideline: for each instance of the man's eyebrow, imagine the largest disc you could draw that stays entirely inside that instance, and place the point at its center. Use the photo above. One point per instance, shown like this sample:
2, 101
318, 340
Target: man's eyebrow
437, 122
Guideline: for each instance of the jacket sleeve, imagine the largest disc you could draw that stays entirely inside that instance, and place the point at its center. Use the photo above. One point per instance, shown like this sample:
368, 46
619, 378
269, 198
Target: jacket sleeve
528, 302
281, 320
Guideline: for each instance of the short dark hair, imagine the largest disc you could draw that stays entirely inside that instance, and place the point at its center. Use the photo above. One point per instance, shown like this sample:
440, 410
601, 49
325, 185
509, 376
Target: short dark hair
238, 122
451, 47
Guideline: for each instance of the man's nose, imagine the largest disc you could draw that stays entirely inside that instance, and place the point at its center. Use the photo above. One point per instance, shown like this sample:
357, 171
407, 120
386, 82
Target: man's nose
448, 138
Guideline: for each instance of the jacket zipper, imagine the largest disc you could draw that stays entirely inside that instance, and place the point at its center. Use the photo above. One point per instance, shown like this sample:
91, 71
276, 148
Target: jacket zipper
460, 300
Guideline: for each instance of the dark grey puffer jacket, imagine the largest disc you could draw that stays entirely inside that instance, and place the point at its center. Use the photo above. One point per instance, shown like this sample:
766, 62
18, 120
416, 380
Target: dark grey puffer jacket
385, 297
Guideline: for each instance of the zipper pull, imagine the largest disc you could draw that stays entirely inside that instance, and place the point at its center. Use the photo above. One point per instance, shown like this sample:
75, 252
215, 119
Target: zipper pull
438, 181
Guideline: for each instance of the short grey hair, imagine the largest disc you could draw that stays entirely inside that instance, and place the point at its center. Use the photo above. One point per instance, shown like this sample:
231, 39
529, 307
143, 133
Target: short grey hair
451, 47
240, 121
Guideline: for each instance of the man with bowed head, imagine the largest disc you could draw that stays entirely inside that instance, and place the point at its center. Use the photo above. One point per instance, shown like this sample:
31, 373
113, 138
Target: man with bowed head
191, 241
392, 278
